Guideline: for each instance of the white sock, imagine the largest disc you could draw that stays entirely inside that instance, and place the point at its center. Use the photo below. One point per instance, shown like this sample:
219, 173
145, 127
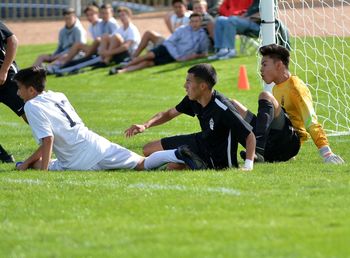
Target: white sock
159, 158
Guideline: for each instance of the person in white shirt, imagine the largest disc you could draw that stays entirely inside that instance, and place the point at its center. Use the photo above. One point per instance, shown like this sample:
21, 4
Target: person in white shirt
58, 128
122, 44
180, 15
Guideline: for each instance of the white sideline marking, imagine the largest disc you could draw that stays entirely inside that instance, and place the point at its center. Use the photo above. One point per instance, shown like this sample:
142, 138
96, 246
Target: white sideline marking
145, 186
221, 190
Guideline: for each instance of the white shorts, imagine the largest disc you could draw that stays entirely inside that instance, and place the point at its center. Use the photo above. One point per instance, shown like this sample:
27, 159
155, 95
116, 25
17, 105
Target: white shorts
116, 157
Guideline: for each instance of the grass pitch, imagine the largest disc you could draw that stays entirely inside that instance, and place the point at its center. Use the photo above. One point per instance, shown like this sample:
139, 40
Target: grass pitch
294, 209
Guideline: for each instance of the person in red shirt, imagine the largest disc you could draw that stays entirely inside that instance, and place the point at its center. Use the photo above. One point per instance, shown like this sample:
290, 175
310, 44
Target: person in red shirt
234, 7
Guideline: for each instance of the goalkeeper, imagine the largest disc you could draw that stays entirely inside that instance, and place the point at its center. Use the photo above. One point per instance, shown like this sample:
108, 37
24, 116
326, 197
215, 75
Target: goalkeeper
290, 104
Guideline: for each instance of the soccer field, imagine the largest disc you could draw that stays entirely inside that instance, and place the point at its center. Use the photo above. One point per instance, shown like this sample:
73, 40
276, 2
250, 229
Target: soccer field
295, 209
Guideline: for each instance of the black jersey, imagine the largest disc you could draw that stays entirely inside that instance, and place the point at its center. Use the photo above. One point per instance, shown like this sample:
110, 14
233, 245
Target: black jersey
222, 128
4, 34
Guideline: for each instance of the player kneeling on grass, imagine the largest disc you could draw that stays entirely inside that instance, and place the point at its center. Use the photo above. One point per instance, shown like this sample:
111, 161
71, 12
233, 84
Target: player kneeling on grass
286, 117
222, 126
58, 128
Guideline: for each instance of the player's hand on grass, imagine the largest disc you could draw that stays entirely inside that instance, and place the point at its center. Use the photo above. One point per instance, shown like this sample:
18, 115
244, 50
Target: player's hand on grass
21, 166
248, 165
134, 129
334, 159
329, 157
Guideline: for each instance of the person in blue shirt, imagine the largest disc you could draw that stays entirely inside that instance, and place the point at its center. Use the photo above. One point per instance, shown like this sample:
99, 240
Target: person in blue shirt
186, 43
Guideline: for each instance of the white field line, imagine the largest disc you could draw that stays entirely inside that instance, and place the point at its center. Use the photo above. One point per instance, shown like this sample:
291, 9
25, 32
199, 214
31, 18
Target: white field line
140, 186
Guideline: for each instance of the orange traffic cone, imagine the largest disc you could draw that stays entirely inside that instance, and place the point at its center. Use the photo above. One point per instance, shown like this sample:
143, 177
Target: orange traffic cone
243, 83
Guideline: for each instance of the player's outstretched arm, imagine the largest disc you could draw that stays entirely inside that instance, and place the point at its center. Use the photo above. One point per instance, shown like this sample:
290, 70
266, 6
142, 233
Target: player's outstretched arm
158, 119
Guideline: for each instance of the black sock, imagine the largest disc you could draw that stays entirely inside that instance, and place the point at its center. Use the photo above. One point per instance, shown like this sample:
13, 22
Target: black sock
263, 121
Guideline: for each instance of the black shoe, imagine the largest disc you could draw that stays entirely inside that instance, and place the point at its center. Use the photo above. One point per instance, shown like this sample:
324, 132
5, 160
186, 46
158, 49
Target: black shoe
5, 157
191, 159
258, 158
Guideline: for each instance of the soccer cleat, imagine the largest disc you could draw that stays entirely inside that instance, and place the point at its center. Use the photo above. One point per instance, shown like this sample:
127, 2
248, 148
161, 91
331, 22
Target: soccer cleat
191, 159
5, 157
258, 158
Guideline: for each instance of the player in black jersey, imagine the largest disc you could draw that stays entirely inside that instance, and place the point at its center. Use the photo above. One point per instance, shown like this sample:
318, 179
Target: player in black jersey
222, 126
8, 88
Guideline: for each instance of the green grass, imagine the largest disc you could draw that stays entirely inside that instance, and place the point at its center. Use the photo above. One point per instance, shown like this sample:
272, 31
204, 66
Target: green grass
295, 209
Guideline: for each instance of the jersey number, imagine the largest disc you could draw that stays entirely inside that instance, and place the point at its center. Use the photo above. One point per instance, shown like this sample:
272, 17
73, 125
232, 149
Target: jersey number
72, 123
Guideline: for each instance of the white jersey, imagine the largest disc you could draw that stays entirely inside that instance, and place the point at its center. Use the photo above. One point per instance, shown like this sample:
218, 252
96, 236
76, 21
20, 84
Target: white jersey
179, 21
130, 34
75, 146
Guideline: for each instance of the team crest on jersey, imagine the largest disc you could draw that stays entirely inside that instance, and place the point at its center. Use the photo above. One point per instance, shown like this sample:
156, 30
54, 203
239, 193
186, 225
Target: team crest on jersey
211, 124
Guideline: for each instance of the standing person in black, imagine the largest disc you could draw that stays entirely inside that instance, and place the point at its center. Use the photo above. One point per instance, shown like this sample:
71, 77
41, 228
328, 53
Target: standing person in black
8, 88
222, 128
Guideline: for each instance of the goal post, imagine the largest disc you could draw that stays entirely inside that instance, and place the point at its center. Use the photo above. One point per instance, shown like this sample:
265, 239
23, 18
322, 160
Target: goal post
320, 53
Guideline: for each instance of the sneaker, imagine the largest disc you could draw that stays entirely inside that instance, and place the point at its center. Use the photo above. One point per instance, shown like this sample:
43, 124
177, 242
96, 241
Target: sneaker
230, 54
114, 70
5, 157
220, 53
51, 69
191, 159
258, 158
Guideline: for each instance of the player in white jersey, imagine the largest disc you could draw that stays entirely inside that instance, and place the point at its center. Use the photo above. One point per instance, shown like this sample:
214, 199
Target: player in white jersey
57, 128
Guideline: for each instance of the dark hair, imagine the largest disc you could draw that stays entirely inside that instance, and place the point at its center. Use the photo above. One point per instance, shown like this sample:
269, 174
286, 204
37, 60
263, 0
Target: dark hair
91, 7
276, 52
106, 6
124, 9
68, 11
204, 72
196, 15
33, 76
179, 1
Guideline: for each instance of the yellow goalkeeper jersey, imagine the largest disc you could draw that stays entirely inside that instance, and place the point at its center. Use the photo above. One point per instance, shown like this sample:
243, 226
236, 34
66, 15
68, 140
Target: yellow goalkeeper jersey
294, 96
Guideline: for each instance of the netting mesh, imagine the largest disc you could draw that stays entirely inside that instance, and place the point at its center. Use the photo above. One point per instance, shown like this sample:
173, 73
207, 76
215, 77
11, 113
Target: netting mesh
320, 55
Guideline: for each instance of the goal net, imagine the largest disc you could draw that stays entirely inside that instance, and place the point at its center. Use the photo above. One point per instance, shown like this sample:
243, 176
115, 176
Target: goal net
320, 55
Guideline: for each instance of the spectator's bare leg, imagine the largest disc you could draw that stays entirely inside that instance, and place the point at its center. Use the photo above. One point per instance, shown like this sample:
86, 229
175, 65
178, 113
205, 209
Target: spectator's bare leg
148, 36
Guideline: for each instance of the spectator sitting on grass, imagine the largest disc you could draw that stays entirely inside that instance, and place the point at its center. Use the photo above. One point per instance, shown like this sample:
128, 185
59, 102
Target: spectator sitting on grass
186, 43
72, 33
200, 6
107, 26
175, 19
122, 44
226, 28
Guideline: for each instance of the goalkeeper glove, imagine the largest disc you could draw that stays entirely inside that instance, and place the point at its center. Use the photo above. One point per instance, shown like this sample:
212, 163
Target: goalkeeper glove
329, 157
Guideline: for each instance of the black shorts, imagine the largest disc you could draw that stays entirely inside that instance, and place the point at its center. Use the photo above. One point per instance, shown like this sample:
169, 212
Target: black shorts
8, 96
118, 58
281, 145
216, 158
191, 140
162, 55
